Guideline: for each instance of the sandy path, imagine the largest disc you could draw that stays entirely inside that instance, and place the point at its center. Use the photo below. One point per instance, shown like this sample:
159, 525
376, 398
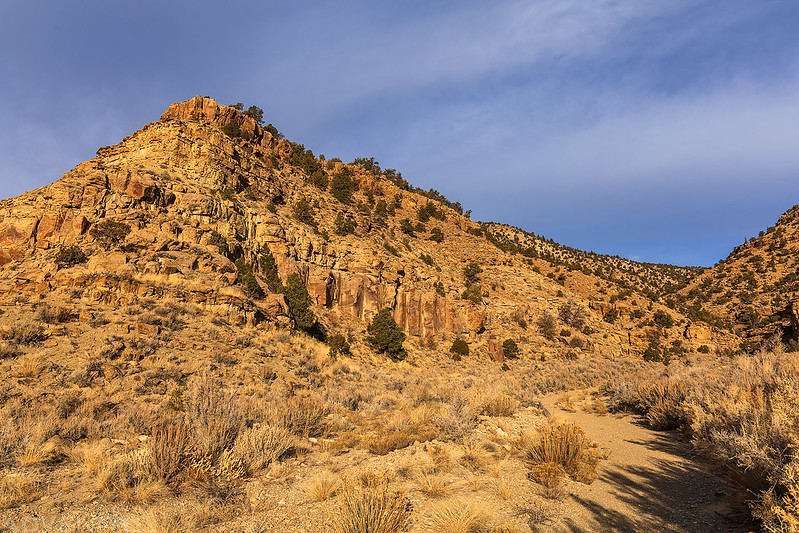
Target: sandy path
652, 481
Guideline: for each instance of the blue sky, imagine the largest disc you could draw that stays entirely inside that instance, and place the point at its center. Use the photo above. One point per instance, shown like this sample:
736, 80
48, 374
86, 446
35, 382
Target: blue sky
659, 131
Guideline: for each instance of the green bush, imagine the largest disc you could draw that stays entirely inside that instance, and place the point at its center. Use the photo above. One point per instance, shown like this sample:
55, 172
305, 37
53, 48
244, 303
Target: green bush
305, 160
369, 164
319, 179
436, 235
407, 227
256, 113
703, 349
303, 212
344, 225
233, 130
547, 325
338, 345
510, 349
216, 239
653, 353
473, 293
663, 319
247, 279
427, 259
68, 256
439, 287
273, 130
460, 347
385, 336
299, 303
611, 316
269, 270
472, 272
109, 232
390, 249
380, 213
342, 186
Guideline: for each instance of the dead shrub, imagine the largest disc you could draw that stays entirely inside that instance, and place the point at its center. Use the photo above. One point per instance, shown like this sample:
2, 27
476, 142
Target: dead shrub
384, 443
548, 474
169, 448
500, 405
302, 416
27, 334
213, 417
8, 352
261, 445
54, 315
367, 504
563, 444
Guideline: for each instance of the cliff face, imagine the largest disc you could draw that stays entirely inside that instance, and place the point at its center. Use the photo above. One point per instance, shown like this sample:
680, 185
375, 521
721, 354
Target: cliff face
198, 194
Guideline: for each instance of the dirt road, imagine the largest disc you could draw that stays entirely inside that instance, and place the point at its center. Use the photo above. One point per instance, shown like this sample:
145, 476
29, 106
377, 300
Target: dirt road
652, 481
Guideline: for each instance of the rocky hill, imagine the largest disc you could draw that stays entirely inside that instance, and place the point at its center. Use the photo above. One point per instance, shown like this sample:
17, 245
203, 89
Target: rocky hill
753, 292
207, 186
652, 279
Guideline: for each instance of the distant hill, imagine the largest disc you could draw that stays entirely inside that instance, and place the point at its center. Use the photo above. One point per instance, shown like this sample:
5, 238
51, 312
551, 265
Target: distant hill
754, 290
652, 279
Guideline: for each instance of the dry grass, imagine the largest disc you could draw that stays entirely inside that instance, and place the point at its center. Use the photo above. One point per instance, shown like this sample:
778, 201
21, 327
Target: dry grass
474, 455
323, 486
302, 416
504, 488
433, 485
742, 413
160, 521
368, 505
459, 516
560, 444
27, 367
16, 489
500, 405
259, 446
91, 456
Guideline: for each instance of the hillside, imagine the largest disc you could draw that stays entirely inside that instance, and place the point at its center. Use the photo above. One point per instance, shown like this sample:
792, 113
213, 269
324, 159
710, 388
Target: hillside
194, 200
754, 290
187, 330
652, 279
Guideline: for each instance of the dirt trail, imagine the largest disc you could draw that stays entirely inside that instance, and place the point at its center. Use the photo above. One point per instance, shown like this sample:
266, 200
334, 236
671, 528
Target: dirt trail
652, 481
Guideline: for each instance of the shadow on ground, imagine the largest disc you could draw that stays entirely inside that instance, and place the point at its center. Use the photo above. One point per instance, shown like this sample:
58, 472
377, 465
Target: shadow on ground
673, 496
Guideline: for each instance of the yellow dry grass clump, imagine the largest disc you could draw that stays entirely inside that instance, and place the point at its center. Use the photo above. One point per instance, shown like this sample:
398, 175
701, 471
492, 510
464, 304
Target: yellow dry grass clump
367, 504
558, 449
